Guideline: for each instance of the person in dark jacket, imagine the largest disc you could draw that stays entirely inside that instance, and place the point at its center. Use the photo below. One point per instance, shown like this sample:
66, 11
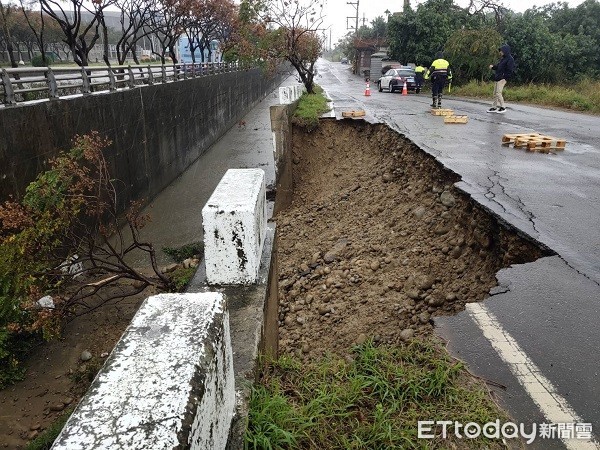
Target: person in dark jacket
503, 72
440, 73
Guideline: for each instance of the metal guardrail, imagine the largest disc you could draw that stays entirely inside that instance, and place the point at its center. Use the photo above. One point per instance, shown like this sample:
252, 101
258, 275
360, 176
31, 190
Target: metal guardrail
34, 83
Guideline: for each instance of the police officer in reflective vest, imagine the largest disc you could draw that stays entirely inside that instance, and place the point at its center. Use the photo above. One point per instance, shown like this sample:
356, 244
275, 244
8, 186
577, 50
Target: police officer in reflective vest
440, 73
419, 77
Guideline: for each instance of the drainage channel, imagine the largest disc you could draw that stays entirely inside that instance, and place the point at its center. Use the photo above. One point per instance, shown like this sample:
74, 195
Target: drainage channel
377, 241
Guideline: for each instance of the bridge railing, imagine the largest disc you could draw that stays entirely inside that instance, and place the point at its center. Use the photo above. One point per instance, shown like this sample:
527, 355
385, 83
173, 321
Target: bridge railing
35, 83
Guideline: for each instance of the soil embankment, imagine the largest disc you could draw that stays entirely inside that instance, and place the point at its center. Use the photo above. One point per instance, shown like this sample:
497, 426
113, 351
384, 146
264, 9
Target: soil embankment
377, 241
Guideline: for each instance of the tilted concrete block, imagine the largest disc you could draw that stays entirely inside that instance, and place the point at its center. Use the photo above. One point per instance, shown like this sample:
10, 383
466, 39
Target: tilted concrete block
168, 383
234, 221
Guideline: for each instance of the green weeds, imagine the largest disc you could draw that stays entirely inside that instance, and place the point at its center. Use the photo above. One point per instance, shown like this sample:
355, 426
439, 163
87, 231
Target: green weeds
310, 108
179, 254
373, 402
45, 440
581, 96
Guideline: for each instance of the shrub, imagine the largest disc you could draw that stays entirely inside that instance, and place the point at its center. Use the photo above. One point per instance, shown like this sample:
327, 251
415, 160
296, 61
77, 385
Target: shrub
179, 254
65, 231
38, 61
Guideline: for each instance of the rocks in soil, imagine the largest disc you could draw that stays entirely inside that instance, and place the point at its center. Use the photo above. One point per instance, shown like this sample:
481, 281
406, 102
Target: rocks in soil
336, 251
407, 334
86, 355
419, 212
46, 302
387, 244
169, 268
436, 301
447, 199
190, 263
57, 407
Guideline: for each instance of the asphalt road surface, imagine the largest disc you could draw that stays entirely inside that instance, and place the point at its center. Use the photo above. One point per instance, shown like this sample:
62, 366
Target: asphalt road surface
539, 331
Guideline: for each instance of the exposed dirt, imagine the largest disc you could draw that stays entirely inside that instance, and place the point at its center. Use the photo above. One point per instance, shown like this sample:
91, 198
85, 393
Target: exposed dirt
377, 241
56, 377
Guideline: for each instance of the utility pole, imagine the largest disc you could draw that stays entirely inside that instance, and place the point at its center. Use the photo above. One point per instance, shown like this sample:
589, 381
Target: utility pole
355, 5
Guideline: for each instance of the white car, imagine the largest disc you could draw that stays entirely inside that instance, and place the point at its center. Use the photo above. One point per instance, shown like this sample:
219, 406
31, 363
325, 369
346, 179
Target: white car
394, 79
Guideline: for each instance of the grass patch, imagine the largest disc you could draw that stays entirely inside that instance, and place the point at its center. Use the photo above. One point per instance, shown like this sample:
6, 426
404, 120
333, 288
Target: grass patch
181, 277
373, 402
583, 96
45, 440
310, 108
179, 254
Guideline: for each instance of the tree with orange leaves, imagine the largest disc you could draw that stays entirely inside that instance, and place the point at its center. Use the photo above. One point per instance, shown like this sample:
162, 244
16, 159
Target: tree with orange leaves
276, 30
209, 20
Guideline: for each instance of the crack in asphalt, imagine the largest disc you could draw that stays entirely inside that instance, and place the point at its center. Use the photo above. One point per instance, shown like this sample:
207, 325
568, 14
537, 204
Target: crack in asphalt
495, 180
493, 192
499, 290
577, 270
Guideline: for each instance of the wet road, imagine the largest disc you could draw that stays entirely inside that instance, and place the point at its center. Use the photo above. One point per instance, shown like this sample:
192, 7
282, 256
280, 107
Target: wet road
176, 213
538, 334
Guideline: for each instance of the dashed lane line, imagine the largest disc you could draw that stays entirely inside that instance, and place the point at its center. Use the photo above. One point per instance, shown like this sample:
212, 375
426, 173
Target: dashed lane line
554, 407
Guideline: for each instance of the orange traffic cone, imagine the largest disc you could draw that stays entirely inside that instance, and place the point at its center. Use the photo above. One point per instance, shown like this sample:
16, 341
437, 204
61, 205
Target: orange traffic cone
405, 89
367, 90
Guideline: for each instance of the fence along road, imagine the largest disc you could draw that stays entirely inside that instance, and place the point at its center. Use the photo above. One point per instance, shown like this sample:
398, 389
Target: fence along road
34, 83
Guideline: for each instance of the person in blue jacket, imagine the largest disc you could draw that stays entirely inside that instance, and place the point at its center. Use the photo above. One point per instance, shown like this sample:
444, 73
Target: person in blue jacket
503, 72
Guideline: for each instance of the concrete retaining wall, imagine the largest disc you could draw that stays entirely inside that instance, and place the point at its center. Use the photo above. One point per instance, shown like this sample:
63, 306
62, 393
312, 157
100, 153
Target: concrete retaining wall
281, 126
157, 131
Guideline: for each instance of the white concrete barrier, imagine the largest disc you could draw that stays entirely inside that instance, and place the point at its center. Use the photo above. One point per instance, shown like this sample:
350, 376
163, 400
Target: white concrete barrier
168, 383
289, 94
284, 95
234, 221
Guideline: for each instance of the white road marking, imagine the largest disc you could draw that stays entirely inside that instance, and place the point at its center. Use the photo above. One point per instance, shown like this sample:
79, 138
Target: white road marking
554, 407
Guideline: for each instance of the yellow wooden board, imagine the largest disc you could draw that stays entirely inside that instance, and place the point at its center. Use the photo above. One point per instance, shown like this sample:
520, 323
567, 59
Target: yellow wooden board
534, 142
442, 112
456, 119
510, 138
353, 113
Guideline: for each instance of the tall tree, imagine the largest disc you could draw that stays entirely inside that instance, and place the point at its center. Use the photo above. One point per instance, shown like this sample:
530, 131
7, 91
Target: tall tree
79, 35
288, 30
472, 51
533, 45
212, 20
416, 36
134, 20
378, 28
167, 22
7, 13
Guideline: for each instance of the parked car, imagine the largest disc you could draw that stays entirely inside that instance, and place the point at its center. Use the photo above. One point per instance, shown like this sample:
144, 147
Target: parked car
344, 61
394, 79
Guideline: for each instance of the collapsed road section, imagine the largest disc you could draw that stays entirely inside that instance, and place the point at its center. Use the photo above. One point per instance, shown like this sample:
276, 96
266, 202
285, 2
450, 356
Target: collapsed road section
377, 241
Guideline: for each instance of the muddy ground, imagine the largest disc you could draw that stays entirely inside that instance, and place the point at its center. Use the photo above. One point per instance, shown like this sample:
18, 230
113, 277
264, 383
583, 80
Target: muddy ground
377, 241
56, 376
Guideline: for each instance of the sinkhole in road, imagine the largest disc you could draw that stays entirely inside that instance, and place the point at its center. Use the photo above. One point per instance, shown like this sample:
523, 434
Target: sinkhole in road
377, 240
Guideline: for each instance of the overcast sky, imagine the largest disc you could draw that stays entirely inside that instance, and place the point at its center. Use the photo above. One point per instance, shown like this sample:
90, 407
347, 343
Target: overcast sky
337, 10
